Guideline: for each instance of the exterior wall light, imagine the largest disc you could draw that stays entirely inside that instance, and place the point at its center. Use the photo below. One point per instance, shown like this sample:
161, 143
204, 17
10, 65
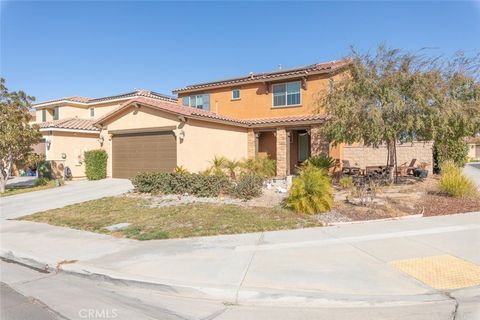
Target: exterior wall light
48, 143
181, 134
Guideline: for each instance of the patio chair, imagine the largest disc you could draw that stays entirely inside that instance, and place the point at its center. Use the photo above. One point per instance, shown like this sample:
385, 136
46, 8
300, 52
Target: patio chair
348, 170
405, 170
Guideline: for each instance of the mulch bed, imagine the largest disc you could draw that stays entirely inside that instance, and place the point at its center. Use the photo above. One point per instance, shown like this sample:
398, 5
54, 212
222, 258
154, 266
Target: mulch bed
437, 204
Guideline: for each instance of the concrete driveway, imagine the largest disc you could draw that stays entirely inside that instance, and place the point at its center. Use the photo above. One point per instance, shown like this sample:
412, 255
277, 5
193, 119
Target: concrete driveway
472, 170
72, 192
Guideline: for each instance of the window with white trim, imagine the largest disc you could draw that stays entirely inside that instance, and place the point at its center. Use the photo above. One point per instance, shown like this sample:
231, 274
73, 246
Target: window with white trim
198, 101
56, 113
91, 112
44, 115
235, 94
286, 94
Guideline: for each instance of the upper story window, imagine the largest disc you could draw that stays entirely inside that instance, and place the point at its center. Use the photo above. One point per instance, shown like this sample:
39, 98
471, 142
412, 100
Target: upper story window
44, 115
235, 94
56, 114
199, 101
286, 94
91, 112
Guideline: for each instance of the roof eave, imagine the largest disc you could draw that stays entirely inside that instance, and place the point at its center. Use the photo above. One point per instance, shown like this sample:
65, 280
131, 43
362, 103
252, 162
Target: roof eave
258, 80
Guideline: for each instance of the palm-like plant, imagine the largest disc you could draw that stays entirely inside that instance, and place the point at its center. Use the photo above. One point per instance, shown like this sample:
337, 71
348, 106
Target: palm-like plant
264, 167
218, 163
321, 161
232, 166
311, 192
181, 170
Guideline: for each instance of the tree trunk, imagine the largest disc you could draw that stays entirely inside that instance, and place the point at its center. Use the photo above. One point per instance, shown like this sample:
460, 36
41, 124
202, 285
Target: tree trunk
391, 156
396, 168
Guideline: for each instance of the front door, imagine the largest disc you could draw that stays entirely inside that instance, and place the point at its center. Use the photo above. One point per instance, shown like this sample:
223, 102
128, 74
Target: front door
302, 147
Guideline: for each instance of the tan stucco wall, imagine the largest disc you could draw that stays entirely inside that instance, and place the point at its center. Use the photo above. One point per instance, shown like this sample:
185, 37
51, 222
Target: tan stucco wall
73, 145
256, 103
203, 140
78, 111
362, 156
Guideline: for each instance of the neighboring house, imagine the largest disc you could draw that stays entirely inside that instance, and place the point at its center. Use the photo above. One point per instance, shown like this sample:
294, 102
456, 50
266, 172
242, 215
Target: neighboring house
68, 130
273, 114
473, 147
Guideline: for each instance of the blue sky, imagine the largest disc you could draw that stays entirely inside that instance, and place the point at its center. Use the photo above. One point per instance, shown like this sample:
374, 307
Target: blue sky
93, 49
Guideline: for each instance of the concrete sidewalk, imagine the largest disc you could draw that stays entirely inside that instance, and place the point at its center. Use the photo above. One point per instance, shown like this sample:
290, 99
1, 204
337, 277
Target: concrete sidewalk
343, 265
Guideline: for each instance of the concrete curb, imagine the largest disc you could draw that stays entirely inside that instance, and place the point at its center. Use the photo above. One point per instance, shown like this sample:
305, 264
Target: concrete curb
407, 217
235, 295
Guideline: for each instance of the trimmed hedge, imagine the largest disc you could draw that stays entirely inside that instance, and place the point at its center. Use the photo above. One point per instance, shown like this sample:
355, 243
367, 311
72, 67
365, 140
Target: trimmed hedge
199, 185
96, 164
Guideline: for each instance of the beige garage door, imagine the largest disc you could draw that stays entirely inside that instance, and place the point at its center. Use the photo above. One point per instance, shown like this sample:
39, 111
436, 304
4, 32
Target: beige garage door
139, 152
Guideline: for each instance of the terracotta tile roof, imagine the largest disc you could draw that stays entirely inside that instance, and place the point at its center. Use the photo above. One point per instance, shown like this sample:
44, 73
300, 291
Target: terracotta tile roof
70, 123
136, 93
288, 119
325, 67
208, 115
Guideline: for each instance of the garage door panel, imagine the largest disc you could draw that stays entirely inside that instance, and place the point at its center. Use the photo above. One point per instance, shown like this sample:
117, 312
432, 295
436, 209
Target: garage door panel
133, 153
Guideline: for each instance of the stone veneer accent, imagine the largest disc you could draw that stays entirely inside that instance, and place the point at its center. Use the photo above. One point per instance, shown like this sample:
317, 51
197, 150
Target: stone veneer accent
361, 156
251, 140
318, 142
282, 152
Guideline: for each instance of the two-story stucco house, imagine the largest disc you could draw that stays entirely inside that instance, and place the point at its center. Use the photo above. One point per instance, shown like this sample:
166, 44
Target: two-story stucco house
274, 114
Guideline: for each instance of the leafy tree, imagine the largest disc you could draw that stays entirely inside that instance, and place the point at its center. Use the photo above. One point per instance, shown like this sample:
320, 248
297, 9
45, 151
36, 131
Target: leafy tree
394, 97
16, 134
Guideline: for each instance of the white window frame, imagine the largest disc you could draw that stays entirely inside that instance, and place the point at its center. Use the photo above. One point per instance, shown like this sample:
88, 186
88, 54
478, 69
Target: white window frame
56, 114
239, 96
286, 93
44, 115
90, 112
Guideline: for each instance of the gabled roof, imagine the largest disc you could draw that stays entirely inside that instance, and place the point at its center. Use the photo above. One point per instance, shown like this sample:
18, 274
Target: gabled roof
326, 67
199, 114
88, 101
70, 124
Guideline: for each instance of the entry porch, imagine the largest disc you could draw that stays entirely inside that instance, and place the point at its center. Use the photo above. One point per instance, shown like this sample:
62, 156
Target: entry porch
288, 146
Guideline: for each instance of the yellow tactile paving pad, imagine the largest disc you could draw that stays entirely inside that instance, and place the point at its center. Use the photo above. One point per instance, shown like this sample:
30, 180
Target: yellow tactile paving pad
441, 272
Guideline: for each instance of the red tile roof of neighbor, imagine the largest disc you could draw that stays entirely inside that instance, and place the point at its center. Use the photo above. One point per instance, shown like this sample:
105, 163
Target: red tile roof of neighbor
70, 123
136, 93
326, 67
208, 115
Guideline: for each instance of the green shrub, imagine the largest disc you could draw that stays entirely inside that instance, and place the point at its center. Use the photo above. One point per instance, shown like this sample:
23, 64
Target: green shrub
176, 183
96, 164
454, 183
44, 169
247, 187
311, 192
41, 181
321, 161
447, 149
346, 182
